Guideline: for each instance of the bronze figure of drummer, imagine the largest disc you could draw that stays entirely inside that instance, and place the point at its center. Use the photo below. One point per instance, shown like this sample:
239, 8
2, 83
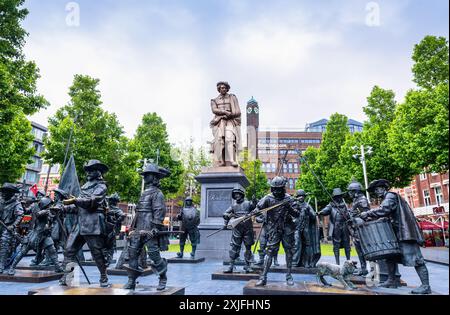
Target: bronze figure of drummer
406, 230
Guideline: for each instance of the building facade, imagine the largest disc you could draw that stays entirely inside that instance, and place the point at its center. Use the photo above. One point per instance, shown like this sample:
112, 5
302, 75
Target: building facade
33, 170
426, 192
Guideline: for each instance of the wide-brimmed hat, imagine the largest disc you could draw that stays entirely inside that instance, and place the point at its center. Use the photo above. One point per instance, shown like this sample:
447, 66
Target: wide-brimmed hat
114, 197
8, 187
300, 192
237, 191
338, 192
377, 183
158, 171
355, 186
95, 165
188, 199
63, 193
44, 203
278, 182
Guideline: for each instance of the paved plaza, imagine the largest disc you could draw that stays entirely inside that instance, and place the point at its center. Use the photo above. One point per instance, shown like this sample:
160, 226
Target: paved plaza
196, 278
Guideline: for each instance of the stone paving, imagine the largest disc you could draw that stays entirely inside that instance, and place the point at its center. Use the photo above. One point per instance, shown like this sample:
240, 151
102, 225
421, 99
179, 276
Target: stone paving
196, 278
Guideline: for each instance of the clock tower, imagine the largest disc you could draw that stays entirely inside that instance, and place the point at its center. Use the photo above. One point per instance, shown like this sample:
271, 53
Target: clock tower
252, 127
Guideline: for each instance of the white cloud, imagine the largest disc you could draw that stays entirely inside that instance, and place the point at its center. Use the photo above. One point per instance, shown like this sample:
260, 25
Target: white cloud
301, 66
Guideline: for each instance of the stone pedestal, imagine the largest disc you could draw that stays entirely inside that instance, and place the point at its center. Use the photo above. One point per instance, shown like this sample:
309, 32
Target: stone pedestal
185, 260
31, 276
235, 276
123, 272
217, 184
115, 289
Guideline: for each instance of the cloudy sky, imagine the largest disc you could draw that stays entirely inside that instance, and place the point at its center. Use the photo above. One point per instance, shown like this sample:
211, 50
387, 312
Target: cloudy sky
301, 60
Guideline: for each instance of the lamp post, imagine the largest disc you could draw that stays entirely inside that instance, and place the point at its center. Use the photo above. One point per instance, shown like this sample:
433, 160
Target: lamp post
365, 151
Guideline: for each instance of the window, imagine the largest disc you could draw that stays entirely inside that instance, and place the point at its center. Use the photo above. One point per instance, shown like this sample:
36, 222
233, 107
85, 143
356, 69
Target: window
426, 197
290, 168
423, 176
439, 196
295, 168
291, 183
274, 167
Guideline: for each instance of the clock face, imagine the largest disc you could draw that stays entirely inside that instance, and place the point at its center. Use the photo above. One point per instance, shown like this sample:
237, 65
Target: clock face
249, 110
256, 110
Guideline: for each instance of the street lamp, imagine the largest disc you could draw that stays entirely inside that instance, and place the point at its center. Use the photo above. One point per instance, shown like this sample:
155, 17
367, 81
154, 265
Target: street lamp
365, 151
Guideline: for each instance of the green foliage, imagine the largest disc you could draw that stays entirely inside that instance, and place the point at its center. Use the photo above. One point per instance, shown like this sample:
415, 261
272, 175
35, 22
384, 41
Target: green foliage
15, 149
325, 161
419, 133
151, 136
259, 185
431, 62
97, 134
18, 96
193, 162
380, 110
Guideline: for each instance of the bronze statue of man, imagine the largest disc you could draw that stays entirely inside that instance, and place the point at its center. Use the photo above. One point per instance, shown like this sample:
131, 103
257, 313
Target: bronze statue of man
226, 127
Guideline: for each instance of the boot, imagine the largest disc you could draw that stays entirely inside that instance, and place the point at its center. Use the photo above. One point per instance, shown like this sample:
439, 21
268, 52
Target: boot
289, 279
275, 260
162, 281
133, 274
336, 256
180, 254
231, 267
425, 288
52, 257
391, 281
348, 253
104, 281
260, 262
194, 248
263, 277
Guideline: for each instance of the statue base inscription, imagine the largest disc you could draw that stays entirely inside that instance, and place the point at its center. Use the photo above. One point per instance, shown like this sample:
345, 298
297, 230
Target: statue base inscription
115, 289
217, 184
31, 276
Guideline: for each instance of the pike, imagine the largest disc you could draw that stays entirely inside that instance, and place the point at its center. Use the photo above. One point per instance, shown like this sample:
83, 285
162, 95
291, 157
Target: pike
236, 222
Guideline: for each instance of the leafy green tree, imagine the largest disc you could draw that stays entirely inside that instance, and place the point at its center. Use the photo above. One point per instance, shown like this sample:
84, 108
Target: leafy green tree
259, 185
431, 62
419, 133
193, 162
97, 134
152, 137
18, 92
325, 161
380, 111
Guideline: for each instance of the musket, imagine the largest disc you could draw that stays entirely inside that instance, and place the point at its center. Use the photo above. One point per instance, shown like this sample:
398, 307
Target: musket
13, 233
66, 236
220, 230
236, 222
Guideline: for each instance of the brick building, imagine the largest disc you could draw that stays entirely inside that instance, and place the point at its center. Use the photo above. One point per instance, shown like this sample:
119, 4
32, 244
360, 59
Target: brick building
427, 191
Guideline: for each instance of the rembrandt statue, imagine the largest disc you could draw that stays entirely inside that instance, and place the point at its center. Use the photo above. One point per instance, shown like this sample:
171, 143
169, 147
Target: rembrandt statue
226, 127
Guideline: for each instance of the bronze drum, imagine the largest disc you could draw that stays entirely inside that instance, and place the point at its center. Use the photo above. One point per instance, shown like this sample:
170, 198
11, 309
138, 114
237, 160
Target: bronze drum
378, 240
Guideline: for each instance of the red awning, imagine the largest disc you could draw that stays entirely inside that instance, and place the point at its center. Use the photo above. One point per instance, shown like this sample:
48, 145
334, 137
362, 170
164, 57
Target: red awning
427, 225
